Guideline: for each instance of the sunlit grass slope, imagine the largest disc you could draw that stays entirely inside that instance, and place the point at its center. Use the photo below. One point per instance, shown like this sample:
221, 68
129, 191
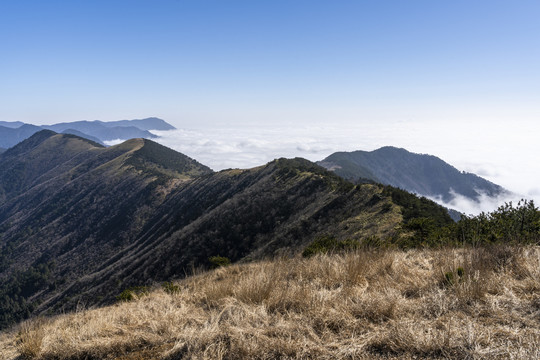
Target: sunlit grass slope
454, 303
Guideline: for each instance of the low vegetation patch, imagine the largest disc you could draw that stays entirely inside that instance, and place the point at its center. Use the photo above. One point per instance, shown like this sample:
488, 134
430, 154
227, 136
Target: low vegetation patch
219, 261
329, 244
363, 304
132, 293
170, 288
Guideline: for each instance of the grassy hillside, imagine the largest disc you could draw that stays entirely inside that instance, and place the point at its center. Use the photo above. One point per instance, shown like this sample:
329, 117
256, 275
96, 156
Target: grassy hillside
449, 303
83, 226
80, 223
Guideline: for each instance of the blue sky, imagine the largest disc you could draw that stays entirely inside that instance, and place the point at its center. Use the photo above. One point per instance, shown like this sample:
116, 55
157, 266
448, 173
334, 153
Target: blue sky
193, 62
247, 81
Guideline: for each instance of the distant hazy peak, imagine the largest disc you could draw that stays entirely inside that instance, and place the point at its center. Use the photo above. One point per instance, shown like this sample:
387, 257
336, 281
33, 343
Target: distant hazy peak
11, 124
151, 123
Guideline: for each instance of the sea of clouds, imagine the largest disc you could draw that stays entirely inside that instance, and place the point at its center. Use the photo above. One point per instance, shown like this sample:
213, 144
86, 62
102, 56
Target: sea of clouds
505, 155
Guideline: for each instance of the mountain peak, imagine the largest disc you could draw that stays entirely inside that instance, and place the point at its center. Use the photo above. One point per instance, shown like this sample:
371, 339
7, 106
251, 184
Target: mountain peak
151, 123
33, 141
389, 147
422, 174
149, 154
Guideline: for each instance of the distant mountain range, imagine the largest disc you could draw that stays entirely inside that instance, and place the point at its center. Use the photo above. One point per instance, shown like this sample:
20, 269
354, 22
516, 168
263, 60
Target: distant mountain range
421, 174
11, 133
80, 222
11, 124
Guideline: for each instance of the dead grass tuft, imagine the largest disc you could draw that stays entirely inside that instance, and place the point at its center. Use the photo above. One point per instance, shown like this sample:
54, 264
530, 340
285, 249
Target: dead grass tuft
362, 305
30, 338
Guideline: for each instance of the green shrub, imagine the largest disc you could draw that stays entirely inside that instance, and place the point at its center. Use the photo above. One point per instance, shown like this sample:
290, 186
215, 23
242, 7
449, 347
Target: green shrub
326, 244
372, 242
449, 277
132, 293
170, 288
219, 261
508, 224
126, 295
386, 208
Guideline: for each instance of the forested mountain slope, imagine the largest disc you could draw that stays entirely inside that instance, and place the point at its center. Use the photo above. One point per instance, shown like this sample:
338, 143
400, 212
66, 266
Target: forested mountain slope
68, 204
79, 222
426, 175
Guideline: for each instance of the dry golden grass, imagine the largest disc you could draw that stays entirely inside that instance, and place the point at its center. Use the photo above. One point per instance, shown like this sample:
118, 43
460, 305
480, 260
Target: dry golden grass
370, 304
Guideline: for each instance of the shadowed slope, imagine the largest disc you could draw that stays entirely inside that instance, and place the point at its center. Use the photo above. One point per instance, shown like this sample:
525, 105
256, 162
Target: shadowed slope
38, 158
69, 204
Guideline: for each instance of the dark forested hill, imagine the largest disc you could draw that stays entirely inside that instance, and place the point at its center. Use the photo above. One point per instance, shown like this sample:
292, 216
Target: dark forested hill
70, 204
37, 159
79, 222
418, 173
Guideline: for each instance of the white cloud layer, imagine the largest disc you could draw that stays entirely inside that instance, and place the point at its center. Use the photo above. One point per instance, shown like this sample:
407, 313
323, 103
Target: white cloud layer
505, 155
484, 203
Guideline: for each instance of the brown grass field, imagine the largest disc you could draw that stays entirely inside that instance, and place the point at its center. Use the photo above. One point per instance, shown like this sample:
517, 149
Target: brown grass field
474, 303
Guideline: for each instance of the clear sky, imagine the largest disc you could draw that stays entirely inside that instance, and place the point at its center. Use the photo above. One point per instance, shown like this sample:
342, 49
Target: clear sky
461, 78
264, 61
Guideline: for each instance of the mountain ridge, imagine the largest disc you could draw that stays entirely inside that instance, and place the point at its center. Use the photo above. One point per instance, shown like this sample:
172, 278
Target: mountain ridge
89, 221
11, 124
